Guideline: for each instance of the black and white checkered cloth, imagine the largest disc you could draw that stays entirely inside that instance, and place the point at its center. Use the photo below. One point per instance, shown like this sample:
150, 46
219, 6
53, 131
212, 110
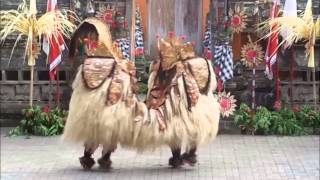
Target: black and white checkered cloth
207, 42
139, 38
223, 58
138, 34
124, 45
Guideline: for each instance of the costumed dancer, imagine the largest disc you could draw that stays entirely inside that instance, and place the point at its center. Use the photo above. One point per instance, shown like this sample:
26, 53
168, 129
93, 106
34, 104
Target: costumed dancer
103, 93
180, 101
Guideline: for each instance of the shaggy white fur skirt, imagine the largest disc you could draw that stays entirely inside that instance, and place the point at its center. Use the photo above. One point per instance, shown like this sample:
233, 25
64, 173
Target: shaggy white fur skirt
90, 121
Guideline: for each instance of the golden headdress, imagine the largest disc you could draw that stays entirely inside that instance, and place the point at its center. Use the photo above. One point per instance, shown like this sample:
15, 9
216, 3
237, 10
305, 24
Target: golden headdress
187, 51
168, 52
172, 50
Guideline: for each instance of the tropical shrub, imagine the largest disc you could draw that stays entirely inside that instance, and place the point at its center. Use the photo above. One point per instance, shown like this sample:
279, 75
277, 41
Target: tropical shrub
262, 120
243, 119
41, 122
282, 122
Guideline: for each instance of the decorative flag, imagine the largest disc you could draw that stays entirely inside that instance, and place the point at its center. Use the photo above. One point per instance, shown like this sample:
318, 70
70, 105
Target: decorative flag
223, 58
271, 53
124, 45
207, 42
54, 48
139, 49
289, 10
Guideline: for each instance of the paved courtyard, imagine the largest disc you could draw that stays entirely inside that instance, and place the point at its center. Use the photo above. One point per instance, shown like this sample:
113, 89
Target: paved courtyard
228, 157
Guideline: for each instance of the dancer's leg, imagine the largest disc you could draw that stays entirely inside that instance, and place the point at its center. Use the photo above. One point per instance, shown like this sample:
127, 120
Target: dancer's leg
86, 160
190, 156
105, 161
176, 161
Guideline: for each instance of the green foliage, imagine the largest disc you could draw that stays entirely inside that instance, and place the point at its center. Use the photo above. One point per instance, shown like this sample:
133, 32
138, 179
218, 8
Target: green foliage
262, 121
41, 122
308, 117
243, 119
282, 122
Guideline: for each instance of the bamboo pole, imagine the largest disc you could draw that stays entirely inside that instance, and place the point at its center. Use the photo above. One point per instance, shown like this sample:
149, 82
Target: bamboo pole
291, 76
32, 13
253, 91
133, 28
314, 88
31, 86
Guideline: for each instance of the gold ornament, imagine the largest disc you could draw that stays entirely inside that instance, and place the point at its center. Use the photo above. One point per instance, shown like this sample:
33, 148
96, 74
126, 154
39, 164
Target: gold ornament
238, 20
227, 104
106, 14
251, 51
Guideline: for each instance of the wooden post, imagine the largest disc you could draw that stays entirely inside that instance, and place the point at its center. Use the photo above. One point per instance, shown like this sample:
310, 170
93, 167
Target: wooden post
133, 26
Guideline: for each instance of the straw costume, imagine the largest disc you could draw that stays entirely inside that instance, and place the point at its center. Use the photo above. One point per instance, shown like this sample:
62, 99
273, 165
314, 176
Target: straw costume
180, 98
180, 108
103, 93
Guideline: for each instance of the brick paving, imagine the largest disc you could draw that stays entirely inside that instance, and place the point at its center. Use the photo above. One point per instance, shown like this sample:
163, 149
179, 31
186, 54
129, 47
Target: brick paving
229, 157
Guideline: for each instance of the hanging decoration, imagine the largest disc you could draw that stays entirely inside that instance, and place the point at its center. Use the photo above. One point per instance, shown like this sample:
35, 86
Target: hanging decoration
251, 51
238, 19
207, 42
123, 44
227, 104
139, 49
106, 14
223, 59
252, 55
25, 23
